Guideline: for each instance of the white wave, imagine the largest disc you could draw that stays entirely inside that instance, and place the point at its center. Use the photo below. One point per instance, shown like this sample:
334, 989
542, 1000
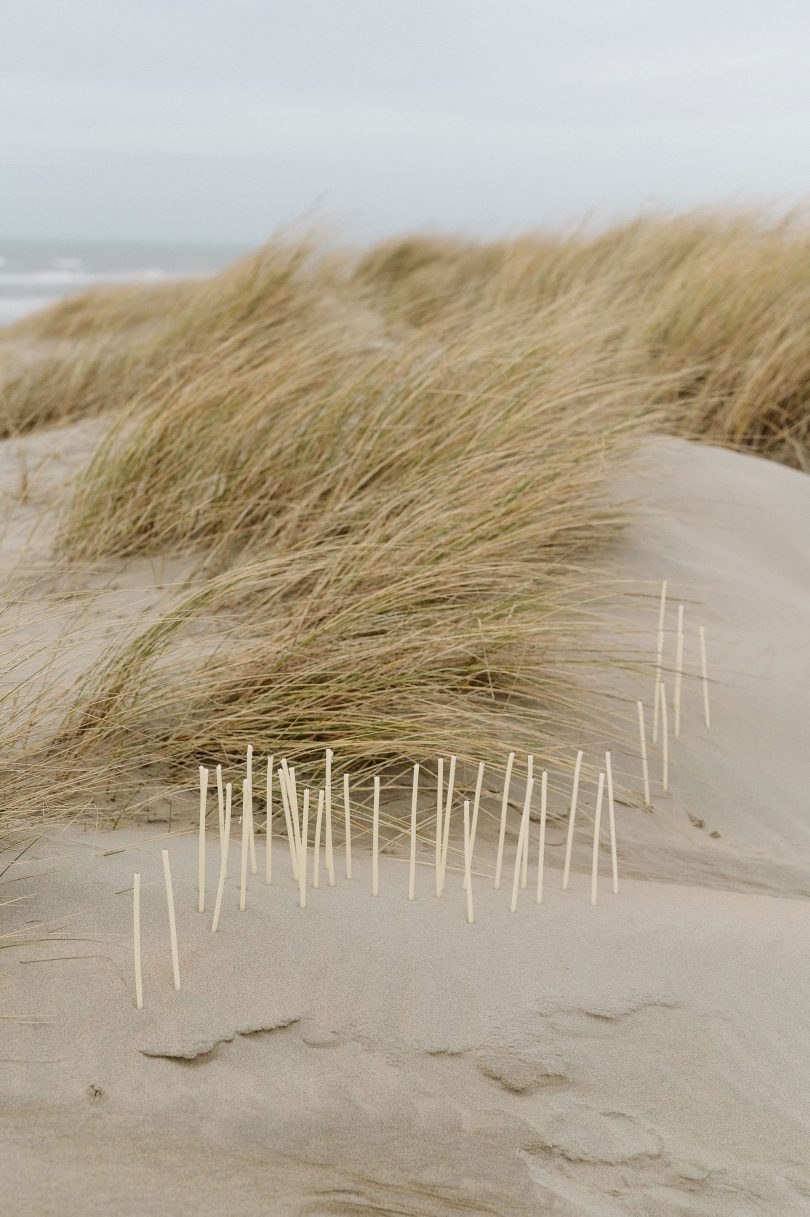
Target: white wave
67, 277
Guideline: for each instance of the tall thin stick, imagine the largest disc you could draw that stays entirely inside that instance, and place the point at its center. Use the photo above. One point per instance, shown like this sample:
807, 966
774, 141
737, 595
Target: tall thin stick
136, 940
678, 672
467, 863
246, 835
569, 844
476, 803
665, 740
375, 840
268, 824
201, 839
611, 820
330, 861
645, 772
316, 863
302, 853
412, 867
221, 809
522, 842
659, 655
167, 875
524, 871
292, 796
292, 840
439, 806
502, 830
596, 823
446, 819
541, 849
704, 669
347, 816
249, 768
223, 861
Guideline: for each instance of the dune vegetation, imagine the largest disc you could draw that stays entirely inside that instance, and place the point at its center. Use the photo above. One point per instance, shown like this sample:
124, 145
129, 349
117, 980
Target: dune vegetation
390, 472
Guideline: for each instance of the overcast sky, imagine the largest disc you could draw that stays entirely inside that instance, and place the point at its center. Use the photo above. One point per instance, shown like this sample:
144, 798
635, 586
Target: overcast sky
215, 120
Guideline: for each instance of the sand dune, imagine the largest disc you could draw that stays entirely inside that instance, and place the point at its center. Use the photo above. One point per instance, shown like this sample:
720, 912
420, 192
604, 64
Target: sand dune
646, 1056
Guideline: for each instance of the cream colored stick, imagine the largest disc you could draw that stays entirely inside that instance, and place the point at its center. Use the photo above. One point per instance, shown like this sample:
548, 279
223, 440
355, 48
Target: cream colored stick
678, 673
302, 854
292, 795
167, 875
665, 740
375, 840
316, 862
476, 803
268, 825
522, 842
611, 820
659, 658
412, 867
246, 817
347, 815
439, 804
704, 670
569, 844
597, 820
330, 860
446, 819
136, 939
223, 862
541, 849
291, 837
251, 842
467, 862
524, 872
201, 840
221, 807
645, 772
502, 829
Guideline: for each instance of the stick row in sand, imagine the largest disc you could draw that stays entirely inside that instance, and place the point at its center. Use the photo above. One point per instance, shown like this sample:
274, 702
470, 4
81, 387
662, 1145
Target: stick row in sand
297, 823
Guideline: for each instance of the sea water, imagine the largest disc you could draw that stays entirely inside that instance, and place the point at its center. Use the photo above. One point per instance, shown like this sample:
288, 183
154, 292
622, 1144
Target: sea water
34, 274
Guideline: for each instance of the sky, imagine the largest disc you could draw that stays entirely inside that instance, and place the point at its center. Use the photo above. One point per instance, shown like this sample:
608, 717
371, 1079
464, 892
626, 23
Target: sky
206, 120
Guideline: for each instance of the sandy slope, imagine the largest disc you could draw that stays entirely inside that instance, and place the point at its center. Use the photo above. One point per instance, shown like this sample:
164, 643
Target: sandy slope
647, 1056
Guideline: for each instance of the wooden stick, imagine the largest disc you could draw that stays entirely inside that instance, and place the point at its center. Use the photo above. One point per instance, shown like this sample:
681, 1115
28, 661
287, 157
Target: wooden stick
221, 807
347, 815
476, 803
201, 839
569, 844
612, 820
292, 795
502, 830
705, 678
316, 865
645, 773
596, 823
302, 853
291, 837
136, 940
223, 862
541, 849
412, 868
678, 672
375, 840
665, 734
659, 655
330, 861
246, 835
268, 824
524, 873
522, 842
249, 766
439, 807
446, 819
467, 864
167, 875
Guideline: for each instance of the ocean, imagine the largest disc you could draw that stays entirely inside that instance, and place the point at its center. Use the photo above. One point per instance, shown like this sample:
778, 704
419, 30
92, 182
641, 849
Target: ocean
34, 274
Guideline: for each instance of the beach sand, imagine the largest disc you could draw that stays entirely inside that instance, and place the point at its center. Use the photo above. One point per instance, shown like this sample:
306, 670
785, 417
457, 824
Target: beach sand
648, 1055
